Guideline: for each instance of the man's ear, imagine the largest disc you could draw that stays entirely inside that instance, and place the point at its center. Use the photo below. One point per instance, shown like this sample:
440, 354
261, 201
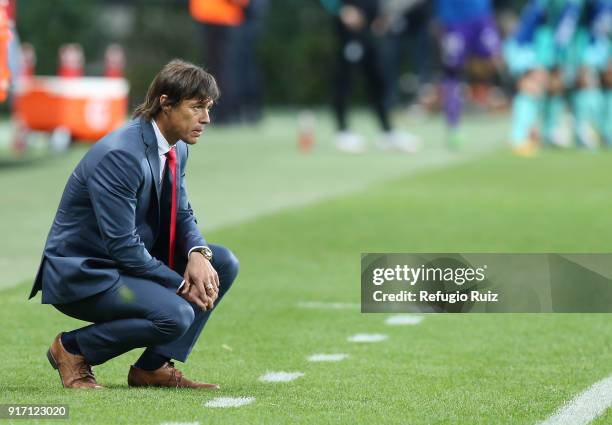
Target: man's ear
163, 102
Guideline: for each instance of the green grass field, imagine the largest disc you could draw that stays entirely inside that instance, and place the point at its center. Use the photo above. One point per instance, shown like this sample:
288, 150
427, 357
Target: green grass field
298, 223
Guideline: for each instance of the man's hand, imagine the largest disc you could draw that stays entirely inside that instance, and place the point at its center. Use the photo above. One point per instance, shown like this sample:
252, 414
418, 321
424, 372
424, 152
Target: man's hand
194, 296
201, 275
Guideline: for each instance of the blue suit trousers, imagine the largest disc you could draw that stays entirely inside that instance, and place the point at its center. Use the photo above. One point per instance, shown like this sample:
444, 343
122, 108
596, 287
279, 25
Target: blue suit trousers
139, 313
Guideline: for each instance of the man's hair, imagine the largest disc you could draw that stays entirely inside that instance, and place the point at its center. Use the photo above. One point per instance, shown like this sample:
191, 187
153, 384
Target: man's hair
179, 80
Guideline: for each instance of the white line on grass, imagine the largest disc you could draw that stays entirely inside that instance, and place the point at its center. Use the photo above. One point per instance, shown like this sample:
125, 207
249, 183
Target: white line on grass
327, 357
404, 319
329, 306
180, 423
367, 338
280, 376
224, 402
586, 406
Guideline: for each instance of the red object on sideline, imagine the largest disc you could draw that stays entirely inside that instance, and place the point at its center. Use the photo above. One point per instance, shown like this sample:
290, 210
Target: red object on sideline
28, 60
114, 61
71, 61
306, 142
306, 123
88, 107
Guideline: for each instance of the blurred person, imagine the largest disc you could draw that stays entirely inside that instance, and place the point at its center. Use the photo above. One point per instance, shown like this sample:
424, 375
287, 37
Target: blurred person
468, 30
359, 44
5, 40
537, 56
125, 252
560, 30
604, 26
17, 61
10, 60
249, 89
591, 58
406, 30
220, 22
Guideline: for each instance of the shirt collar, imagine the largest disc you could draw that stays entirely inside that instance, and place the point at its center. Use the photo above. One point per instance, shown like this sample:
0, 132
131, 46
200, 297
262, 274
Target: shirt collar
162, 144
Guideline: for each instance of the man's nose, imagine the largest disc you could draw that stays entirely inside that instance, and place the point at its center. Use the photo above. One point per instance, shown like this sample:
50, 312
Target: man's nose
205, 117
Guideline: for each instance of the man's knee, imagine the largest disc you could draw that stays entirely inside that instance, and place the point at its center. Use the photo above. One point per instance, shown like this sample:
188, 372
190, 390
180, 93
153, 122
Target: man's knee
174, 320
232, 266
226, 264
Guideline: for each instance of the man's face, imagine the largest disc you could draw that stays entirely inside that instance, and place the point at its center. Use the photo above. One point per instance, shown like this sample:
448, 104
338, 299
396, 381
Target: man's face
188, 119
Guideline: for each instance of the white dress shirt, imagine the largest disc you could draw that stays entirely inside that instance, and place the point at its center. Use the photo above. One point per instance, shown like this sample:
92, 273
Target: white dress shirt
162, 148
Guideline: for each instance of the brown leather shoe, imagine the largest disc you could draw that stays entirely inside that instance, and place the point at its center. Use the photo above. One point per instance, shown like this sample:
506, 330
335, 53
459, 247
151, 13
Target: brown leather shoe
165, 376
74, 371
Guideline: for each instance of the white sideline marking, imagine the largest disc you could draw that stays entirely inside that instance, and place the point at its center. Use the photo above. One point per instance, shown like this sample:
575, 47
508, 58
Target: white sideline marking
367, 338
280, 376
229, 402
327, 357
180, 423
329, 306
585, 407
404, 320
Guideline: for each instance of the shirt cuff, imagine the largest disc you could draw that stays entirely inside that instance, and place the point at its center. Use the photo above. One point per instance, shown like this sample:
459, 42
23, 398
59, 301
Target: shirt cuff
195, 247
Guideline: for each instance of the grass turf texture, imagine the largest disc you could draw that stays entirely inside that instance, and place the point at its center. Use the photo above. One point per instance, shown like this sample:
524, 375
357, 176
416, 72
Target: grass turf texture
449, 369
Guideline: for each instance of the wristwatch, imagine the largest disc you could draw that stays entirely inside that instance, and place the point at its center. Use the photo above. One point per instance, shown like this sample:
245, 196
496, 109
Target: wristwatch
205, 251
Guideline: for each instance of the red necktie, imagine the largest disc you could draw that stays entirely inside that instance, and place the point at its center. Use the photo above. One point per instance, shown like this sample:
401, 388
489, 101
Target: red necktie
171, 167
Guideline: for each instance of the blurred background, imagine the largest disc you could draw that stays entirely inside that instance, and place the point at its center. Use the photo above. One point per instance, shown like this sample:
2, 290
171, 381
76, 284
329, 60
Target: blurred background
394, 55
410, 56
275, 54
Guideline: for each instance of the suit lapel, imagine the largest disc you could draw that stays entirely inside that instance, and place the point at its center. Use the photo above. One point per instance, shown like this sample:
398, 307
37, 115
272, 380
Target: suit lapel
152, 153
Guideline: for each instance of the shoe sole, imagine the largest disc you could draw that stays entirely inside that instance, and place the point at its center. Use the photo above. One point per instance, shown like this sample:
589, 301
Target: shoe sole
208, 388
51, 359
54, 365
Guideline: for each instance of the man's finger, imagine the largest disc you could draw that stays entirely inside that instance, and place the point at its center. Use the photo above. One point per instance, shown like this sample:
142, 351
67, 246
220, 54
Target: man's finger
208, 302
201, 298
193, 297
202, 291
210, 289
197, 301
214, 276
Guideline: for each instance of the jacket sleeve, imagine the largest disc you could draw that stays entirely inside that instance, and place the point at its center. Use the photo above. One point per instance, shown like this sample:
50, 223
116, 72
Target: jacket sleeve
113, 187
187, 233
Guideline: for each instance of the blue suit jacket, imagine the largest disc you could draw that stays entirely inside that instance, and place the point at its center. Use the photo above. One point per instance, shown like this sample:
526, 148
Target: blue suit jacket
108, 220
